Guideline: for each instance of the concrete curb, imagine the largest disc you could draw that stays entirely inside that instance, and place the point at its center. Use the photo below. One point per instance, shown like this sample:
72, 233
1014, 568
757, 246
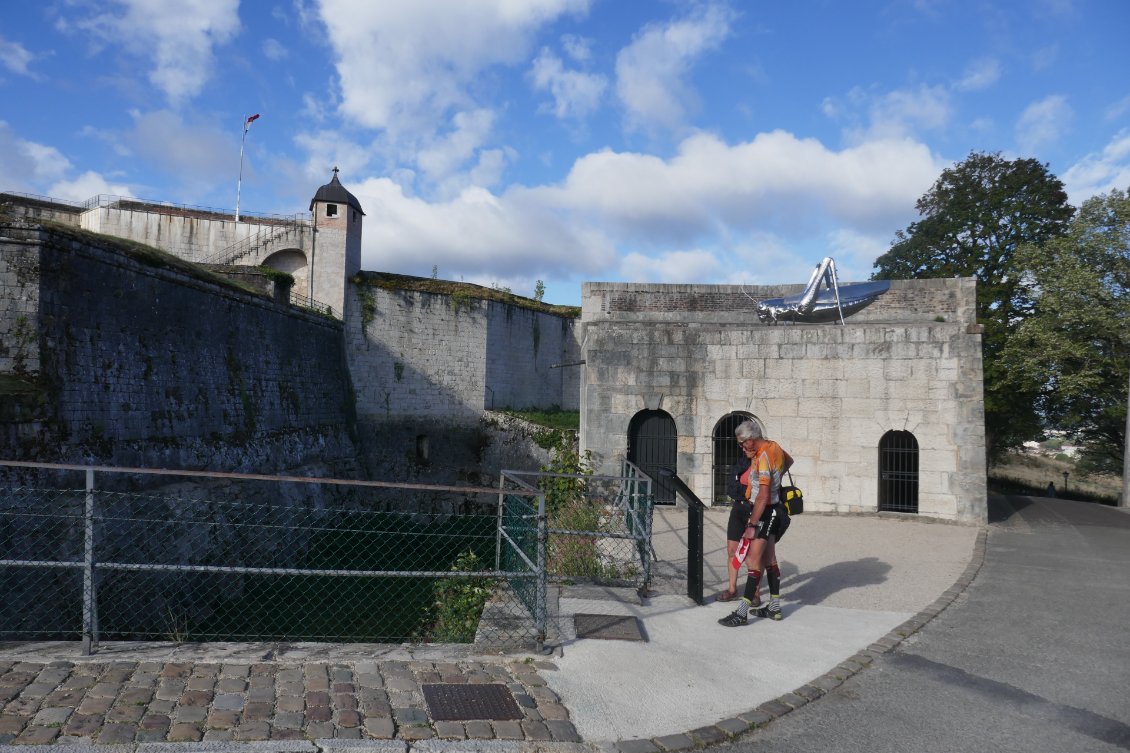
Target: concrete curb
317, 746
733, 727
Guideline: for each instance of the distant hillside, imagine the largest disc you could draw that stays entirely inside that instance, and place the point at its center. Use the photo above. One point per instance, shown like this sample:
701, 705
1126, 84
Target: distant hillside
1030, 472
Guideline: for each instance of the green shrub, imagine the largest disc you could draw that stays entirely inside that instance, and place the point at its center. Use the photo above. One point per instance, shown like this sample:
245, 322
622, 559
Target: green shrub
459, 603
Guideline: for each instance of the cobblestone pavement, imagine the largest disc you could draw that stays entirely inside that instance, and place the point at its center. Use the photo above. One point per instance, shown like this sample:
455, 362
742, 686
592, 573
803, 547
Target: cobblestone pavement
124, 702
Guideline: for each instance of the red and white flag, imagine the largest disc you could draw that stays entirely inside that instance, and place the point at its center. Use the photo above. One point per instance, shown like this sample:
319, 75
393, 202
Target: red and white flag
250, 119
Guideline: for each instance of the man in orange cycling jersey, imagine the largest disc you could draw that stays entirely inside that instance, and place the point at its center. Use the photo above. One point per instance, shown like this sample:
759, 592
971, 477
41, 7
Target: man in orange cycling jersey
768, 462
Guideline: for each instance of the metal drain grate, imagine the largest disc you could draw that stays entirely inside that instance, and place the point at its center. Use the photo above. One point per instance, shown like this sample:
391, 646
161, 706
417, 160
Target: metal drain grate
608, 626
459, 703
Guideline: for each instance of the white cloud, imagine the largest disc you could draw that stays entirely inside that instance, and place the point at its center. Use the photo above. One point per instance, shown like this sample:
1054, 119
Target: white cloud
774, 179
579, 49
404, 66
1044, 58
177, 35
1102, 172
197, 157
86, 186
1043, 123
1117, 109
575, 94
695, 266
474, 231
651, 72
450, 152
26, 166
14, 57
734, 198
855, 252
980, 75
274, 50
896, 114
30, 167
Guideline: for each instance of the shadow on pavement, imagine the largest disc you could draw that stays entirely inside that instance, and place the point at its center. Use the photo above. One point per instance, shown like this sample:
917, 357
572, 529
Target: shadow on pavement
1002, 506
814, 587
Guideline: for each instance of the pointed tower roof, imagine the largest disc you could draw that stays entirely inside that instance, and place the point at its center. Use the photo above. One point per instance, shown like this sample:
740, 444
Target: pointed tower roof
335, 193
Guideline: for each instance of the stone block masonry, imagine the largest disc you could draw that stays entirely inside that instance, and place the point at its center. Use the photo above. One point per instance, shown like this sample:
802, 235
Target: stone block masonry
19, 307
153, 365
428, 355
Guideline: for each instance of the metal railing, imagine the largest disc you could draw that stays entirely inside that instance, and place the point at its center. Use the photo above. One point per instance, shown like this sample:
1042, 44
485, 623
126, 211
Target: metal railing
96, 553
42, 199
599, 526
256, 241
168, 207
297, 299
267, 558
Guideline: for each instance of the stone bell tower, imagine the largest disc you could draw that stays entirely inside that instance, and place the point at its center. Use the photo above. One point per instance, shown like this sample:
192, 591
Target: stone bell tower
335, 254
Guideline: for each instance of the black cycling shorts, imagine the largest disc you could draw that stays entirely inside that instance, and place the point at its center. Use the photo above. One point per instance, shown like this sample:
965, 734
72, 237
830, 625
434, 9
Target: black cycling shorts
739, 519
778, 522
774, 521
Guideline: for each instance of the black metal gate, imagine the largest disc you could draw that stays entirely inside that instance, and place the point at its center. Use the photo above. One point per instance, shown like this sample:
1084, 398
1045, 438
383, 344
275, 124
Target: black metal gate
651, 446
898, 472
726, 452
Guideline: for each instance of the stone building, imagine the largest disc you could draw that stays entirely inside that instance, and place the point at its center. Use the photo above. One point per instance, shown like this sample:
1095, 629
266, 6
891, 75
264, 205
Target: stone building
882, 413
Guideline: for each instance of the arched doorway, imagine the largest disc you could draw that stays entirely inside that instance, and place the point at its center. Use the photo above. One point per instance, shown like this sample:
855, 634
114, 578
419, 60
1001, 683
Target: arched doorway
293, 262
652, 445
727, 452
898, 472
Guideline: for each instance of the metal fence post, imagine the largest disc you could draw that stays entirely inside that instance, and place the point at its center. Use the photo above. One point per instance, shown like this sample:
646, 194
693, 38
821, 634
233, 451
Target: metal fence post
542, 586
88, 567
500, 522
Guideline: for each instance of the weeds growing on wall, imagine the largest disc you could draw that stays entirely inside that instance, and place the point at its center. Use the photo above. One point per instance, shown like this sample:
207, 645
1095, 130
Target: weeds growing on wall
570, 508
368, 304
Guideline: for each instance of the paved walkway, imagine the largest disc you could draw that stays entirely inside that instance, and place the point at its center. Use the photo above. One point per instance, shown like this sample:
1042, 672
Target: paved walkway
124, 702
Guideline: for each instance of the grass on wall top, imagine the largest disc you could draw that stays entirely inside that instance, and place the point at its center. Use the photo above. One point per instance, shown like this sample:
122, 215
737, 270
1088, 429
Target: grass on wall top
391, 281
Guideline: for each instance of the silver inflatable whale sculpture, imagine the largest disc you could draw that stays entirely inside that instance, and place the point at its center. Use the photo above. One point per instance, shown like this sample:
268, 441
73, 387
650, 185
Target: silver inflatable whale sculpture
814, 305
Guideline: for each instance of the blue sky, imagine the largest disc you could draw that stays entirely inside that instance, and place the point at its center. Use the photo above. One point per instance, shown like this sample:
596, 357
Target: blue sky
508, 141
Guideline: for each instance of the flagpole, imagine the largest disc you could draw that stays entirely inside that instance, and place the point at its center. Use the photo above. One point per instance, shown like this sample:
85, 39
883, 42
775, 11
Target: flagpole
239, 182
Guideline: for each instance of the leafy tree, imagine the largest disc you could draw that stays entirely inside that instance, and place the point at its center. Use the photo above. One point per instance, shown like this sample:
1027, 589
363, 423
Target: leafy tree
1074, 350
539, 291
974, 219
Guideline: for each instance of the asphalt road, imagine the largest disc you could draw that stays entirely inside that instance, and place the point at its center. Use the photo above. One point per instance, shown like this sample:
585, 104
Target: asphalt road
1033, 657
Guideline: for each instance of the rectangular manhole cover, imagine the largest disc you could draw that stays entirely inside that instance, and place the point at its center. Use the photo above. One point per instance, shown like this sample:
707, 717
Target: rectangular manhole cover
615, 627
460, 703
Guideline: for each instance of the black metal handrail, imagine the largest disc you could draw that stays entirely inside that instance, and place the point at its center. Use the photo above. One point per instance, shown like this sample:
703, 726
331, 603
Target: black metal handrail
695, 509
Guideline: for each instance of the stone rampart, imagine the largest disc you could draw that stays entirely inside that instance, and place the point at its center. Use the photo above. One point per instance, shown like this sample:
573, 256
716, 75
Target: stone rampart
38, 209
427, 355
195, 236
150, 364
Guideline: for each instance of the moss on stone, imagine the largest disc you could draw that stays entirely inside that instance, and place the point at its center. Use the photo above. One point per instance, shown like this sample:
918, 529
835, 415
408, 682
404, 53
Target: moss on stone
459, 291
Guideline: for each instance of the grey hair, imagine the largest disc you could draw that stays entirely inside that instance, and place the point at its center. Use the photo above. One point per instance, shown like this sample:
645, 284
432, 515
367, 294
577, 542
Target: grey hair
747, 430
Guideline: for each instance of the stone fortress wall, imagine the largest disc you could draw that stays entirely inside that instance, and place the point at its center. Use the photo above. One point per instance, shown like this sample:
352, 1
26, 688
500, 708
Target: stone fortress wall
148, 365
828, 393
414, 353
171, 371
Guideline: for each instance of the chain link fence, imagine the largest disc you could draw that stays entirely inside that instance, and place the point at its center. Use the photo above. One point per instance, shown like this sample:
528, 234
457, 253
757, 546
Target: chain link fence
243, 557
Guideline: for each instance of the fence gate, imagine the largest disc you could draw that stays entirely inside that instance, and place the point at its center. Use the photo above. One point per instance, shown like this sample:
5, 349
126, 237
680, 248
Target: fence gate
651, 446
726, 452
898, 472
